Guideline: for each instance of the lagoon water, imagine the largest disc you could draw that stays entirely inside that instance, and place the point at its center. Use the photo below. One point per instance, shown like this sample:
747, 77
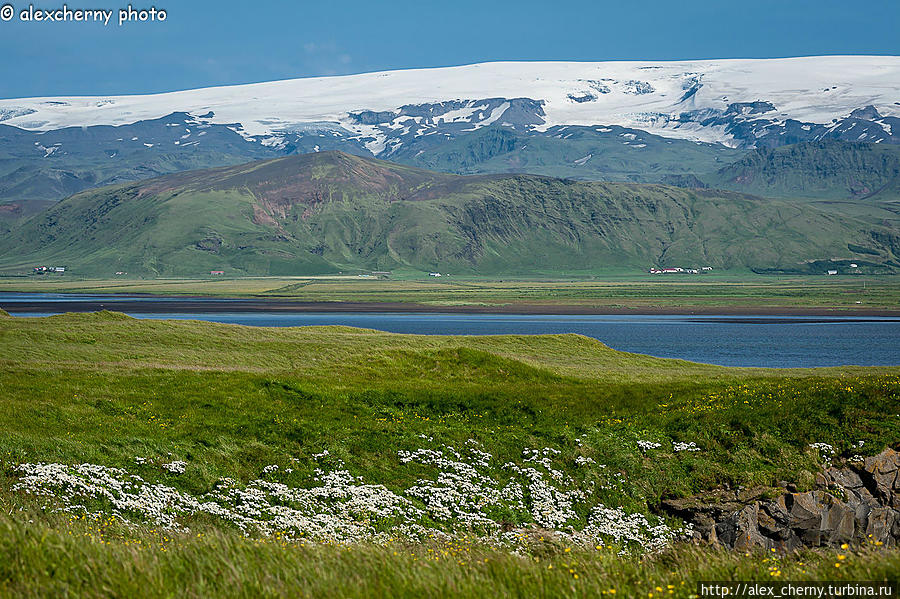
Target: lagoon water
766, 341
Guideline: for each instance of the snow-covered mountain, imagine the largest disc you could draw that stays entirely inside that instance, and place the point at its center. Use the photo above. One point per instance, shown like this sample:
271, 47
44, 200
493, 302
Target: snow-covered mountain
739, 103
604, 121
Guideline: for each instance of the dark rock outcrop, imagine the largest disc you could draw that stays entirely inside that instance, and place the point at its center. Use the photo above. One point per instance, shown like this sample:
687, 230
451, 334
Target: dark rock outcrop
855, 503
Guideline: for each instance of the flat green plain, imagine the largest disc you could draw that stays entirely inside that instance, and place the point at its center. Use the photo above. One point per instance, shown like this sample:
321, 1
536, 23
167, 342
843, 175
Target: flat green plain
636, 293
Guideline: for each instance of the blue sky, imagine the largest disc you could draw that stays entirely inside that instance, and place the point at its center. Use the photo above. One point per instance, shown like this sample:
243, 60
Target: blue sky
205, 43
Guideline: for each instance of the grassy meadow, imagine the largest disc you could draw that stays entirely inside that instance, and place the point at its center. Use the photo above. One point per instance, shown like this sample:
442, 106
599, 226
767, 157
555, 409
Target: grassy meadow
98, 559
246, 404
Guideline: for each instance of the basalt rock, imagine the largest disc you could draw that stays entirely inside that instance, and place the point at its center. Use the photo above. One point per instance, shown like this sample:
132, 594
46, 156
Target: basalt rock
855, 503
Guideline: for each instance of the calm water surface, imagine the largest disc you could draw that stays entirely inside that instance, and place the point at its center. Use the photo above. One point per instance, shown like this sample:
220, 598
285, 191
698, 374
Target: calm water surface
768, 341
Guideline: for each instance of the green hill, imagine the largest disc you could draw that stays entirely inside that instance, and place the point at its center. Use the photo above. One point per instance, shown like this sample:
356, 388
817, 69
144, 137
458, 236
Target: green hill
328, 212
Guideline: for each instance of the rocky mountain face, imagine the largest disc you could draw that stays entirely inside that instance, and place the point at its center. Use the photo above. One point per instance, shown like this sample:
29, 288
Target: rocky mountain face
756, 125
47, 166
36, 167
41, 167
856, 503
743, 124
823, 170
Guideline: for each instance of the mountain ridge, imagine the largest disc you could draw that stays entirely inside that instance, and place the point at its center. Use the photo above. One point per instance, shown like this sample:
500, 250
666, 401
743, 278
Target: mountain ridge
327, 212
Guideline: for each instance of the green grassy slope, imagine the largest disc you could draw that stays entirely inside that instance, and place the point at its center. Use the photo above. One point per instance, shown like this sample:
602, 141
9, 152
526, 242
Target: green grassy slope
330, 212
99, 385
230, 400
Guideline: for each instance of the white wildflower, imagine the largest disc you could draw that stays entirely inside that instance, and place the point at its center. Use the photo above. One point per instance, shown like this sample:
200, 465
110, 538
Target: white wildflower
176, 467
678, 446
468, 488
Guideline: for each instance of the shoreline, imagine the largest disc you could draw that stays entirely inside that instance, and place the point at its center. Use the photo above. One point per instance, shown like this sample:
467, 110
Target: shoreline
154, 304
